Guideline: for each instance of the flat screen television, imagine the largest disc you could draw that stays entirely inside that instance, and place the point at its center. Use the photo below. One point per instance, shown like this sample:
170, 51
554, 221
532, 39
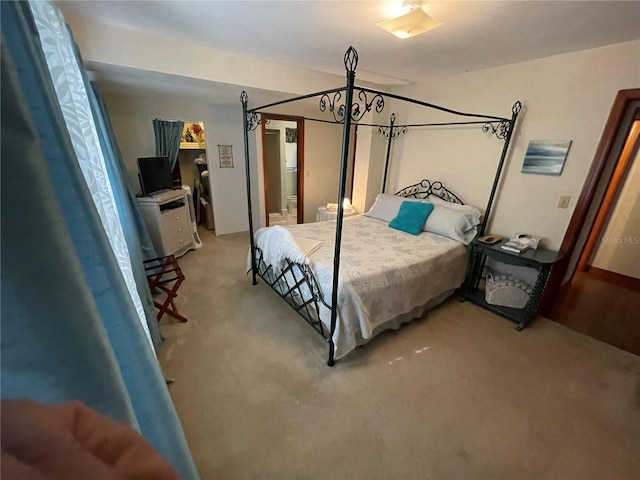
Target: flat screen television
154, 174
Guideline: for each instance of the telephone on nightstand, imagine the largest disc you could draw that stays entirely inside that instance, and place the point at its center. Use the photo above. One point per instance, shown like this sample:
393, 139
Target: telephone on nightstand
526, 239
520, 242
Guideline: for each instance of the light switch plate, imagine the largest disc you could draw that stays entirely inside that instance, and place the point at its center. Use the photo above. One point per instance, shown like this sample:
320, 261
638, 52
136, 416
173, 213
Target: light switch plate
564, 201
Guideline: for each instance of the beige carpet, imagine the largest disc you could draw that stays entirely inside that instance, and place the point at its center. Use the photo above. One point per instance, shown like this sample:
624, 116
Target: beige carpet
457, 394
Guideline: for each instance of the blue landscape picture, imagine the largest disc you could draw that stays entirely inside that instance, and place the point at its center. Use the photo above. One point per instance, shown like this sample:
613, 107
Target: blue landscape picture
545, 157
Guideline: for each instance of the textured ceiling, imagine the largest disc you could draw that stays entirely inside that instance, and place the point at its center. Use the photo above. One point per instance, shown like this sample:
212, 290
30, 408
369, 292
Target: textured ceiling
314, 34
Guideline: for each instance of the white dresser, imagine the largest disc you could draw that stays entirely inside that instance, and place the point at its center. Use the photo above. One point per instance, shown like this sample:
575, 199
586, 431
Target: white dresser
166, 215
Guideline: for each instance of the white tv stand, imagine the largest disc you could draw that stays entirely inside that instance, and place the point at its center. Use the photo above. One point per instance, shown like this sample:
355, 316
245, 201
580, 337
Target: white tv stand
167, 217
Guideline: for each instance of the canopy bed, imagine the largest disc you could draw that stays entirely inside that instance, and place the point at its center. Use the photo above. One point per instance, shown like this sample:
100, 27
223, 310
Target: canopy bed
354, 277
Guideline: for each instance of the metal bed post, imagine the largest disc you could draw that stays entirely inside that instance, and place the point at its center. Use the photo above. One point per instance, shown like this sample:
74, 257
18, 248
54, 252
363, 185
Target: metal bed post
390, 133
350, 64
244, 98
505, 131
392, 121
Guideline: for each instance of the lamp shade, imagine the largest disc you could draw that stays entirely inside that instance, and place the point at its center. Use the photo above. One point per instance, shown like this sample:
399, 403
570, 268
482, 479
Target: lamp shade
410, 24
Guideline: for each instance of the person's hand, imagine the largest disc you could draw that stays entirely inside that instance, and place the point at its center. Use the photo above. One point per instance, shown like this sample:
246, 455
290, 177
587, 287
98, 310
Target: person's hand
71, 441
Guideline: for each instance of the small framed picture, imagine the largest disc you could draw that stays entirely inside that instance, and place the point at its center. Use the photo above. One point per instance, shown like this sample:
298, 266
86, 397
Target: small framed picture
225, 154
291, 135
546, 157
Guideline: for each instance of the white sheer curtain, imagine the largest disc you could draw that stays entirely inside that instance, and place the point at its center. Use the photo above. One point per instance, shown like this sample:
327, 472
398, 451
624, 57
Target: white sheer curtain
74, 102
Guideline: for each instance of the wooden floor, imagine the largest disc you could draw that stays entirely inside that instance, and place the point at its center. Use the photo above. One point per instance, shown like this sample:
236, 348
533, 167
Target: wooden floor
602, 310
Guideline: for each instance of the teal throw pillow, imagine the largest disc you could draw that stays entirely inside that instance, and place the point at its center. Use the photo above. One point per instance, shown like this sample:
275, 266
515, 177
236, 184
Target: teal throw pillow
411, 217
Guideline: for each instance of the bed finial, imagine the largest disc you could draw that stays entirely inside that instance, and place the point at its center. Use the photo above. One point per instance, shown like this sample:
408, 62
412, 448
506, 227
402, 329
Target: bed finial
516, 107
351, 59
244, 98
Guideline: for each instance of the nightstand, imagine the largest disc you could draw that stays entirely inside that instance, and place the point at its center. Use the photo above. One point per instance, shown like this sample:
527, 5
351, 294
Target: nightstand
541, 260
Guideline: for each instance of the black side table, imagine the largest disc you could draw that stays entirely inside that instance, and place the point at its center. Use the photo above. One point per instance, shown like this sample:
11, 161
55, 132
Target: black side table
541, 259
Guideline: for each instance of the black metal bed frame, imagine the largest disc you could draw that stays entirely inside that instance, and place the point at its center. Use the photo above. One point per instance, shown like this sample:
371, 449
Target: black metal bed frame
426, 188
358, 101
289, 284
291, 280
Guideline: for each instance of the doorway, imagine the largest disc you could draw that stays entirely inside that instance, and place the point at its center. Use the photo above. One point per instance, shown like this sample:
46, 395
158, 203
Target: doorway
283, 163
193, 171
601, 292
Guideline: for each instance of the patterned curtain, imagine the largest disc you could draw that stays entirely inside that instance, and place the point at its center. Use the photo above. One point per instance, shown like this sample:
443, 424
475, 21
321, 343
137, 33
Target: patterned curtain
126, 196
72, 328
168, 136
135, 231
73, 98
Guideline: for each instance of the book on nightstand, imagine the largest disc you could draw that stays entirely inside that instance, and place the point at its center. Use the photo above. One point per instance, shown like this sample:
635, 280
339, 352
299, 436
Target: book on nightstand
515, 246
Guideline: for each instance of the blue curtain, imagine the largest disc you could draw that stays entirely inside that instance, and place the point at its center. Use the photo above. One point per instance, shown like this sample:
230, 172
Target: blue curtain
69, 326
134, 229
168, 136
69, 87
118, 172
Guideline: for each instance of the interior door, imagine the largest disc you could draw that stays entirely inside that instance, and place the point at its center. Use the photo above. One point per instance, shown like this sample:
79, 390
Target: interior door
273, 177
603, 296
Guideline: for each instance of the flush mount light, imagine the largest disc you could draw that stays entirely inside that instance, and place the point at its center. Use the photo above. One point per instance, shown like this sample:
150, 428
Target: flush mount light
410, 24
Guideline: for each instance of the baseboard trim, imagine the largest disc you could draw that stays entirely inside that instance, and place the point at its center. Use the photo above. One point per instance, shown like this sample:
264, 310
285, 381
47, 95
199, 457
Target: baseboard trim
618, 279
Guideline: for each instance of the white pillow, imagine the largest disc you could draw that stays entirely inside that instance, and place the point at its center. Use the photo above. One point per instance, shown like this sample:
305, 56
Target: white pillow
386, 206
456, 206
457, 224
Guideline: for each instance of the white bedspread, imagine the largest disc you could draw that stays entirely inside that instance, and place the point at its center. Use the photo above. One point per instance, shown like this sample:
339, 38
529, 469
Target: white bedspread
278, 243
384, 273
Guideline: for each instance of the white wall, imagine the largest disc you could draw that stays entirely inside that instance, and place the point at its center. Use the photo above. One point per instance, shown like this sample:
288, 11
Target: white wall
619, 248
361, 168
132, 122
322, 150
370, 155
565, 97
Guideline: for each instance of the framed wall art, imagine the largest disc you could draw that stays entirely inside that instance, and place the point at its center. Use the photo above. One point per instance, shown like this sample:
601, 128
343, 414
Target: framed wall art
225, 154
291, 135
546, 157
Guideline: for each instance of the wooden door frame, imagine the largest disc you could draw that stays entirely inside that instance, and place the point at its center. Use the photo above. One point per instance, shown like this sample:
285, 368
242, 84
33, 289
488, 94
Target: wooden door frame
265, 171
602, 158
610, 196
300, 160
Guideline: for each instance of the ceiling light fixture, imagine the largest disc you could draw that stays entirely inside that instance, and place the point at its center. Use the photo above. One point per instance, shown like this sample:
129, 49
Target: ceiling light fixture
410, 24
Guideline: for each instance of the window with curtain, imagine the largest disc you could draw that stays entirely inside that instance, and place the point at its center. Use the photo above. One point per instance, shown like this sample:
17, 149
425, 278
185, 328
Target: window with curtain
168, 134
72, 95
73, 321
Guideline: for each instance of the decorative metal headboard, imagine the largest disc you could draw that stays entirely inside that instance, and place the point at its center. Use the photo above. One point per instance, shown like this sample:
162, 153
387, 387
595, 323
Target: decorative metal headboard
426, 188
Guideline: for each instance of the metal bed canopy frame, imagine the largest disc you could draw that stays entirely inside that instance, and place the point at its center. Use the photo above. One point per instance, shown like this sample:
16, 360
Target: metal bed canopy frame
358, 101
